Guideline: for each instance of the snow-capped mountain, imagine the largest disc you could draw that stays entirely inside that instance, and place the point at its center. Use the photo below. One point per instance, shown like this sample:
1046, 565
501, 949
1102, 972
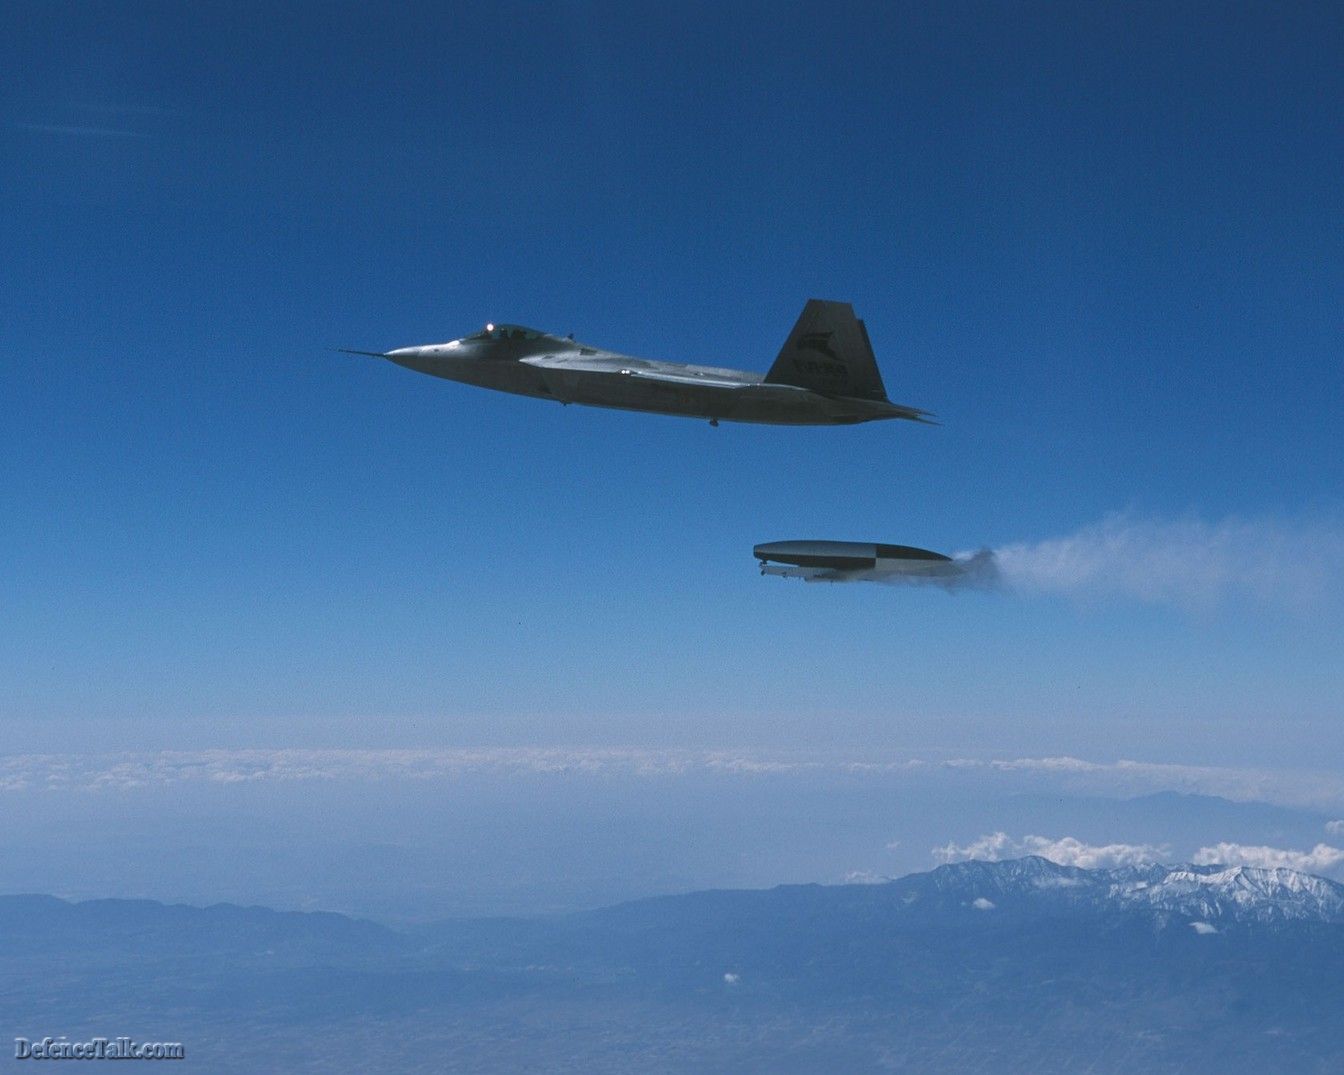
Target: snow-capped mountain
1203, 893
1242, 892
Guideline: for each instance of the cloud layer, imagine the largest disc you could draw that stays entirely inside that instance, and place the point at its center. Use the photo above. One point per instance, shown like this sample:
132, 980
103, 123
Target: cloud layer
1321, 859
1067, 851
129, 770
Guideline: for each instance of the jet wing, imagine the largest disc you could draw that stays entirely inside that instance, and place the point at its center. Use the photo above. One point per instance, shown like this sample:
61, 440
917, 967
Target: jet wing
643, 369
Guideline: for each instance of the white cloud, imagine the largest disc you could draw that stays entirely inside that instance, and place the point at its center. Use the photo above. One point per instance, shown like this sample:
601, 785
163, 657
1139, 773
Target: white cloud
989, 848
1334, 828
1067, 851
1203, 928
982, 904
1320, 859
865, 877
731, 979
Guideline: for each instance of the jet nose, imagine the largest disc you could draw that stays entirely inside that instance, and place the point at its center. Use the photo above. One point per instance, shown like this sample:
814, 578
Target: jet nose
425, 351
420, 359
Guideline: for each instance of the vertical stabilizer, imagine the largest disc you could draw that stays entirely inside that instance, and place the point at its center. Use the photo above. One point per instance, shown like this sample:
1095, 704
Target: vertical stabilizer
828, 352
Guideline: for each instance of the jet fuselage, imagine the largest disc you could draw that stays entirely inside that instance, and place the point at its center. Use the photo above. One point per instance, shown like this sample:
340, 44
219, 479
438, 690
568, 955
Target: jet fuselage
559, 369
825, 375
845, 561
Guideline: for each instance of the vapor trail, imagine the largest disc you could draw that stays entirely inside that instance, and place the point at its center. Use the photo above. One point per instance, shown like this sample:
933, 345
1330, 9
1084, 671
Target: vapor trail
1188, 563
968, 571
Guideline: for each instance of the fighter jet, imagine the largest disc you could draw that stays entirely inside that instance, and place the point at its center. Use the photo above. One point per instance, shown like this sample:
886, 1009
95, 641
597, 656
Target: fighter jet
825, 375
846, 561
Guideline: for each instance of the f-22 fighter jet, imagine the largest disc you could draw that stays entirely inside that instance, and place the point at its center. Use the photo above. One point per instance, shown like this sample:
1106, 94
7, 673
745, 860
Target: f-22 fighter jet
825, 375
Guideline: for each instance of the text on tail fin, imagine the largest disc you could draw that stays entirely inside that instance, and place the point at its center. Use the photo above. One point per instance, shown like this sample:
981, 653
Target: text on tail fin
828, 352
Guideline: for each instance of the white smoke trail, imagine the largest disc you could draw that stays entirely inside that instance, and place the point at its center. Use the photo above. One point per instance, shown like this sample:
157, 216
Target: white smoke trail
1188, 563
968, 571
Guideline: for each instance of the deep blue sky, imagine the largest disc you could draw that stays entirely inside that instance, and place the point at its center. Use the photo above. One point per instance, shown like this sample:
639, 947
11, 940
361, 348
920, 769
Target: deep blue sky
1106, 246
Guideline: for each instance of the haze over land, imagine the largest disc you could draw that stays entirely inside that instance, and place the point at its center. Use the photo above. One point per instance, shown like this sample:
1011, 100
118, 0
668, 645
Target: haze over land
1013, 966
410, 835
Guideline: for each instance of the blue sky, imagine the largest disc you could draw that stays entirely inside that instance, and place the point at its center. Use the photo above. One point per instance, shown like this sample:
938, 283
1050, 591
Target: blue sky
1105, 246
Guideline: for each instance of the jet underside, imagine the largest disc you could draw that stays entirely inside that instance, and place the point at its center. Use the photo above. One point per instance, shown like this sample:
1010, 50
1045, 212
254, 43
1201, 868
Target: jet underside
881, 571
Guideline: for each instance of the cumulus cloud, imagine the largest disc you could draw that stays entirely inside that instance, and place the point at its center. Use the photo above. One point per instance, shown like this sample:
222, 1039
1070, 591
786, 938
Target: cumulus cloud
1066, 851
1320, 859
865, 877
731, 979
1187, 563
982, 904
1203, 928
989, 848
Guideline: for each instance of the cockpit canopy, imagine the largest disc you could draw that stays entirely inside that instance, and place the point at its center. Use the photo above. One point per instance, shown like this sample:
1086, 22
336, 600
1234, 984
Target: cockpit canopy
506, 332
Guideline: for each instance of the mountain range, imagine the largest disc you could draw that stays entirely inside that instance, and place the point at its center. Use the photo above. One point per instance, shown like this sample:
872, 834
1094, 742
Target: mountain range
1019, 965
1228, 894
